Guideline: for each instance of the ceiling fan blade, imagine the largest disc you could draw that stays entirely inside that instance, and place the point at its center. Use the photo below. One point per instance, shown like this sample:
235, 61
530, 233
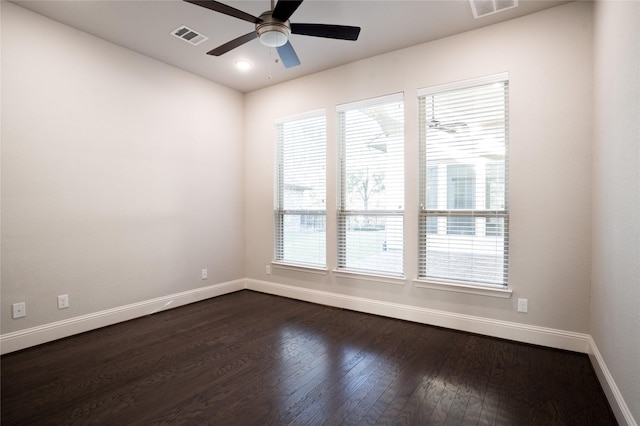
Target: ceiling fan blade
285, 8
288, 55
223, 8
233, 44
343, 32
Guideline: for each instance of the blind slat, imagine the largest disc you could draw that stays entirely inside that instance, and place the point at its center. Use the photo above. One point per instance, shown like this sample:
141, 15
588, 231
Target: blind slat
371, 201
464, 219
300, 211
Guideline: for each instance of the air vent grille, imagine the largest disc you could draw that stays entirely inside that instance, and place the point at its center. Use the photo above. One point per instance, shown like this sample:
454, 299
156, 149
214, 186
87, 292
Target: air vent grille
190, 36
482, 8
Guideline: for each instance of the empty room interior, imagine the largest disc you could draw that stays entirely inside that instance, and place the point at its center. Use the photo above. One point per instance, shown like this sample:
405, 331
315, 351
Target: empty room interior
480, 179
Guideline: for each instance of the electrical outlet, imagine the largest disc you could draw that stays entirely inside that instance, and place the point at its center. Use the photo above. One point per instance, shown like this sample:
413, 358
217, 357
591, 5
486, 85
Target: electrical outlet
205, 274
63, 301
19, 310
268, 270
523, 305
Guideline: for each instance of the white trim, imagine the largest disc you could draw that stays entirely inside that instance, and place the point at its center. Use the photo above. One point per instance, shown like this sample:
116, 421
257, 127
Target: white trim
493, 291
394, 97
614, 396
357, 275
543, 336
463, 84
299, 268
302, 115
22, 339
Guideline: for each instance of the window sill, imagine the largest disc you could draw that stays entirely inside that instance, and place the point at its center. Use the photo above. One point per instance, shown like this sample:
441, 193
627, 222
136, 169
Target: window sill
300, 268
500, 292
355, 275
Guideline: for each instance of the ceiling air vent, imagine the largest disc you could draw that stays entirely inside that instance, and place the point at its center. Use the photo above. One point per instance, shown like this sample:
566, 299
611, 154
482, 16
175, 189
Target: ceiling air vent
482, 8
190, 36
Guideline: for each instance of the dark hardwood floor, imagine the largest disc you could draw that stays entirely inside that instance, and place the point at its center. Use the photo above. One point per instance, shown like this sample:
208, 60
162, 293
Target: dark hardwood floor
251, 358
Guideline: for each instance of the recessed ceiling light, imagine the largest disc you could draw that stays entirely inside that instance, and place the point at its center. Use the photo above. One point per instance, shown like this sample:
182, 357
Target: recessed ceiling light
243, 65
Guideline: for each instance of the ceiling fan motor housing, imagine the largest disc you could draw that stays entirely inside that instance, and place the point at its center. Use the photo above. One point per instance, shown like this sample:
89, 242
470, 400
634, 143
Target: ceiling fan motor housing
273, 32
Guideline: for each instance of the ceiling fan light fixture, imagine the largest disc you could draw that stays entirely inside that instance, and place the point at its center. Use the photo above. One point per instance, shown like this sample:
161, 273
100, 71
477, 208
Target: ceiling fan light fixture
272, 32
273, 38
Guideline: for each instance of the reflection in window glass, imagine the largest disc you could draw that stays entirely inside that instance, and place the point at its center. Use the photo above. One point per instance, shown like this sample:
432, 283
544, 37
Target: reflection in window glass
463, 229
300, 216
371, 204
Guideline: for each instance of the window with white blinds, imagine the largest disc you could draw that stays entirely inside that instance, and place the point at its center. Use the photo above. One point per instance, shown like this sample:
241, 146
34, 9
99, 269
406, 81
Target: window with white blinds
464, 212
300, 209
371, 192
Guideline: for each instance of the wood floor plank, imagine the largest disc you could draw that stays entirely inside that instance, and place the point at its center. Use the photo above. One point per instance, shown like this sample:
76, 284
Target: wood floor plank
421, 365
390, 344
250, 358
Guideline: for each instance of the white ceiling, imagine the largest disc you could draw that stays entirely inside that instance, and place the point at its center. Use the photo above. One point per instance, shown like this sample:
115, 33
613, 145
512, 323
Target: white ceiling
145, 26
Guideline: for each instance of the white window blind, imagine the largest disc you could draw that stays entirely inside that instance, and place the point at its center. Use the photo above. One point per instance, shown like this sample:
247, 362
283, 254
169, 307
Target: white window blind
464, 214
371, 179
300, 210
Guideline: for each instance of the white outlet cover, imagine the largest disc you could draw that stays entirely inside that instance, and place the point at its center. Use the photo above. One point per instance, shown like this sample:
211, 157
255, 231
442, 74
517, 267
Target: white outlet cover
19, 310
63, 301
523, 305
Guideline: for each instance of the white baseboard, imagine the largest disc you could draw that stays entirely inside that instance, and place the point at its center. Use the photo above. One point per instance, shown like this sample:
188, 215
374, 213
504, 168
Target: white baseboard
617, 402
543, 336
45, 333
503, 329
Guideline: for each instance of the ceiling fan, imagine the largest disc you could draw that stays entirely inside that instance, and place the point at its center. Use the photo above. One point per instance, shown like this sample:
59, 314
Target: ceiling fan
445, 127
273, 29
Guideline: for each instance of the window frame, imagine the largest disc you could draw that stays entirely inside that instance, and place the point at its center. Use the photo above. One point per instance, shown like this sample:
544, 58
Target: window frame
430, 217
280, 211
344, 213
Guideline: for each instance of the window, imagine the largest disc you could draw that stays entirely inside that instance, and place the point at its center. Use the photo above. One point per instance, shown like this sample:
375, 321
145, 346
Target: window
300, 211
371, 193
464, 216
461, 184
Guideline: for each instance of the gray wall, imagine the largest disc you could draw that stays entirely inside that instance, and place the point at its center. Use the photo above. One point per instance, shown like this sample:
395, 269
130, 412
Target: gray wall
122, 177
615, 288
548, 56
